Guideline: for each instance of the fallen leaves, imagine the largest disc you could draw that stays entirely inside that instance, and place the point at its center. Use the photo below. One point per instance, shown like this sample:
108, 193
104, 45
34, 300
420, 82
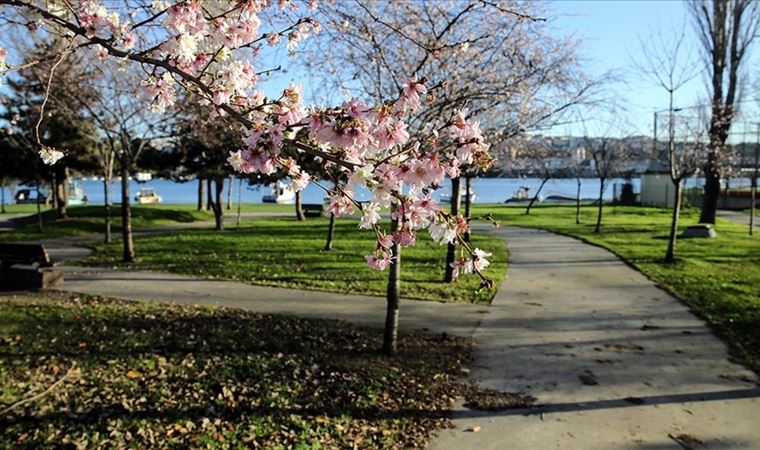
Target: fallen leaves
191, 377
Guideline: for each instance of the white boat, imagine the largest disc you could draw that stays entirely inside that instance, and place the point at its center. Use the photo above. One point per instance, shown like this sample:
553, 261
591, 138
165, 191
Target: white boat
143, 176
282, 193
446, 198
76, 195
147, 196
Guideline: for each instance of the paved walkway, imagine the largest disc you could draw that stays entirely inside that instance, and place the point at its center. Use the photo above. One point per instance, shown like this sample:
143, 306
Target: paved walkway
615, 362
738, 217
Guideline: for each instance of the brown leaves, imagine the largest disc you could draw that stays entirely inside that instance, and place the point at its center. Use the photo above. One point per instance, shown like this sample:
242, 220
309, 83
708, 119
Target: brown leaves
159, 375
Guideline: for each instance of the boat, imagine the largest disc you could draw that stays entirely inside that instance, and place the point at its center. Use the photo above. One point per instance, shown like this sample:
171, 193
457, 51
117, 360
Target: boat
143, 176
147, 196
522, 195
29, 195
446, 197
76, 195
282, 193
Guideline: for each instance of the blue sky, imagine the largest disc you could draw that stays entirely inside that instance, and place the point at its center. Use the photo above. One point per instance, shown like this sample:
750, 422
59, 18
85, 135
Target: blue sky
610, 33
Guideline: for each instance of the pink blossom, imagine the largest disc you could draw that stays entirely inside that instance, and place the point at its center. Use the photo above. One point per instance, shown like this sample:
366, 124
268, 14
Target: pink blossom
341, 205
404, 237
378, 260
386, 241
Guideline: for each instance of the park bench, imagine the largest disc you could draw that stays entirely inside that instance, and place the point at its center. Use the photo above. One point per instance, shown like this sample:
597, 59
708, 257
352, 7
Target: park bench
312, 209
26, 266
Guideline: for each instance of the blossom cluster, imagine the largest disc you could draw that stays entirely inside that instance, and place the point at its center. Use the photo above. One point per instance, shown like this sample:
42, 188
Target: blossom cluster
369, 145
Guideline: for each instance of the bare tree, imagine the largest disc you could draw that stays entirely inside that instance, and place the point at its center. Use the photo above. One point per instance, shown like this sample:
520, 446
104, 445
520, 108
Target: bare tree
726, 30
667, 61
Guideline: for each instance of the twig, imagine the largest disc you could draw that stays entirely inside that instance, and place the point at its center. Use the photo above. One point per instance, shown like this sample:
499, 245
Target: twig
40, 395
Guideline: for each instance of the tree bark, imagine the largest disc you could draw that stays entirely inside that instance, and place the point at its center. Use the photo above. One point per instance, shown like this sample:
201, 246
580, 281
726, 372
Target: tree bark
467, 202
239, 201
2, 199
39, 210
671, 253
229, 192
210, 193
61, 191
451, 250
711, 191
106, 211
201, 194
598, 227
126, 212
393, 299
216, 205
578, 202
330, 233
299, 210
538, 192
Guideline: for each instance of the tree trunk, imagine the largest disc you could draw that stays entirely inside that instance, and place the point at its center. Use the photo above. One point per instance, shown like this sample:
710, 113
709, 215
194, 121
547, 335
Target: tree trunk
299, 211
201, 194
126, 212
39, 210
451, 250
106, 211
538, 192
711, 195
671, 253
467, 202
209, 193
240, 201
61, 190
216, 205
578, 202
601, 205
2, 199
393, 299
229, 192
330, 233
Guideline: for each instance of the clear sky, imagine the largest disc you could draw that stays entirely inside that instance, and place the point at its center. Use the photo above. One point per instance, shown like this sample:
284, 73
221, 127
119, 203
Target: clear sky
610, 33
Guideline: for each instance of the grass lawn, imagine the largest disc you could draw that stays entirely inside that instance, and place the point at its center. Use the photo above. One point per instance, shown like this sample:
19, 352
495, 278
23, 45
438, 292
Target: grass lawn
143, 375
89, 219
719, 278
286, 253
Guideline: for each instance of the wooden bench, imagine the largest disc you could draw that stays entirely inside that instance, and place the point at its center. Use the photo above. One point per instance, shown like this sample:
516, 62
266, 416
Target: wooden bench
312, 209
26, 266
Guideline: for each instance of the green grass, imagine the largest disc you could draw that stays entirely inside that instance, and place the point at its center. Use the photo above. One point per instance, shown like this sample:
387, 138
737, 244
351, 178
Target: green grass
719, 278
143, 376
88, 219
285, 253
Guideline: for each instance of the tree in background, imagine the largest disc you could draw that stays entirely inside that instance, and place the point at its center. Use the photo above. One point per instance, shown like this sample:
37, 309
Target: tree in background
667, 61
726, 30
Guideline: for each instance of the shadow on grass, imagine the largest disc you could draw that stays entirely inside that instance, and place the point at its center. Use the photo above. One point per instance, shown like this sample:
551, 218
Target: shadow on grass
149, 366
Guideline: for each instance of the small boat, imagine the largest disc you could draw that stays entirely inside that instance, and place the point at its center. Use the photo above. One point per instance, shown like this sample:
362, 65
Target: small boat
76, 195
29, 195
143, 176
147, 196
446, 197
282, 193
522, 195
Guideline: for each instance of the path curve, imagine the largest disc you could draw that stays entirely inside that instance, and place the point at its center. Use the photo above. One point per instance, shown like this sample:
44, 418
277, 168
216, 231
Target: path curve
568, 315
571, 315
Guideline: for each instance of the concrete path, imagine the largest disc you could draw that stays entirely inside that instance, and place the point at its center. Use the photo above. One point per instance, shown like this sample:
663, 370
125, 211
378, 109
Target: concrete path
740, 217
615, 362
461, 319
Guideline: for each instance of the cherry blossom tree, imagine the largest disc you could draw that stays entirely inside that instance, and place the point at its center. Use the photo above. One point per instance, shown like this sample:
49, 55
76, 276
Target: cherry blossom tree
211, 50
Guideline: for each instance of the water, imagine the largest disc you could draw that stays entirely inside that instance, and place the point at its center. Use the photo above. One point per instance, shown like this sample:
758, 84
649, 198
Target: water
487, 190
